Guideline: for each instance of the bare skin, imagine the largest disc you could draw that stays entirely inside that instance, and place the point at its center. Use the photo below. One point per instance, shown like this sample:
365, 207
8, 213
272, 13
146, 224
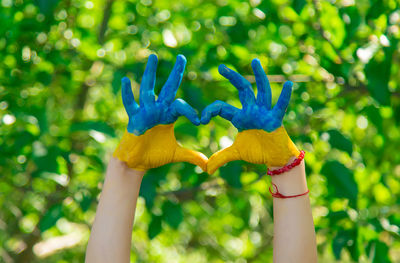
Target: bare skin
294, 233
110, 240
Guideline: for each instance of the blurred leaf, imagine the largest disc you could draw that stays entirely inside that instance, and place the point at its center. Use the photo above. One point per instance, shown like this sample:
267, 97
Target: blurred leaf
185, 129
46, 6
93, 125
345, 239
148, 190
150, 183
22, 139
332, 23
374, 117
379, 251
116, 82
188, 176
338, 141
355, 20
376, 224
85, 202
154, 226
231, 173
51, 217
377, 9
43, 76
172, 214
298, 5
48, 161
378, 75
336, 216
341, 180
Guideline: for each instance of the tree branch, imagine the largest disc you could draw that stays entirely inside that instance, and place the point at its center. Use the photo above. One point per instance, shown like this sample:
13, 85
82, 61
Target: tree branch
104, 23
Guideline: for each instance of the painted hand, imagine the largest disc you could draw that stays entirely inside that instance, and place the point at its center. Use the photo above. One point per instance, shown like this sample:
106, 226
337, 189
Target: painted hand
149, 141
261, 137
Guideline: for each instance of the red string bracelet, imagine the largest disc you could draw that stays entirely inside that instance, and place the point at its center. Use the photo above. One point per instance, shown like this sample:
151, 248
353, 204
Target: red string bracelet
279, 195
287, 167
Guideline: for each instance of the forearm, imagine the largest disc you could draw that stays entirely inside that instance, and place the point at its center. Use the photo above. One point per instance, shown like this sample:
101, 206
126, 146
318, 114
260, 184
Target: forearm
294, 233
111, 234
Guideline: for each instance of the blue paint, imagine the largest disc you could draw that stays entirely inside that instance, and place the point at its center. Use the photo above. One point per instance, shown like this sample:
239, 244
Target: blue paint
151, 112
256, 113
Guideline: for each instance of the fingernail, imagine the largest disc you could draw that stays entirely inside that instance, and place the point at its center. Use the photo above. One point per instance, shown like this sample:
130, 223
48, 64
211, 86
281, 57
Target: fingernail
196, 121
288, 84
153, 57
181, 57
125, 80
222, 69
255, 61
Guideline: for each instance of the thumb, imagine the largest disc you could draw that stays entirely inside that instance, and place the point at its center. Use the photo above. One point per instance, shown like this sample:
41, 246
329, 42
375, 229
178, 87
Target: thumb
222, 157
190, 156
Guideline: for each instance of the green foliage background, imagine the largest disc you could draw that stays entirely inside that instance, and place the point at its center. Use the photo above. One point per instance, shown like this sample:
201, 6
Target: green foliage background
61, 116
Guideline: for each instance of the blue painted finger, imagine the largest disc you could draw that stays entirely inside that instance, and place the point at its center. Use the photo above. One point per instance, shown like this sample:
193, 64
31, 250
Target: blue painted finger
148, 81
181, 108
284, 98
246, 94
220, 108
128, 99
168, 92
263, 86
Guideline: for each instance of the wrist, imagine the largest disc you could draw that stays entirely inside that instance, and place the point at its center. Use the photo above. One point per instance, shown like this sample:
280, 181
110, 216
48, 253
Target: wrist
291, 160
152, 149
119, 170
291, 182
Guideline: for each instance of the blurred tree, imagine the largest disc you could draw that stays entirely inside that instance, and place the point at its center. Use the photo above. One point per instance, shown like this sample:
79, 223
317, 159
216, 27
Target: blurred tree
61, 116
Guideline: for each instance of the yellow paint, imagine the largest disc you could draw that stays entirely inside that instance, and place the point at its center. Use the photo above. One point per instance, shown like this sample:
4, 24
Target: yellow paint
274, 149
156, 147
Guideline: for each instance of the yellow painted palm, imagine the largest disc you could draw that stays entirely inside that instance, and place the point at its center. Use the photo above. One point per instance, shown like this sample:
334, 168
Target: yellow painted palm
149, 141
262, 138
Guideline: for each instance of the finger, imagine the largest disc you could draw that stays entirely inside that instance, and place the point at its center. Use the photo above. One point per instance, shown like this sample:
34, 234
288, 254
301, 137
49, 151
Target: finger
246, 94
148, 81
222, 157
284, 98
190, 156
128, 99
220, 108
263, 86
180, 107
168, 92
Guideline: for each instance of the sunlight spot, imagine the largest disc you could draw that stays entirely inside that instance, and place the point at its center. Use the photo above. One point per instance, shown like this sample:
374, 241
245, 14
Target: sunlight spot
68, 34
227, 20
362, 122
98, 136
89, 5
169, 38
258, 13
8, 119
225, 141
101, 53
384, 41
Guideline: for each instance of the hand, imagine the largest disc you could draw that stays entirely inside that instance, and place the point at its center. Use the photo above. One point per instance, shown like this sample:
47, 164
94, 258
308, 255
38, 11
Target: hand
261, 137
150, 141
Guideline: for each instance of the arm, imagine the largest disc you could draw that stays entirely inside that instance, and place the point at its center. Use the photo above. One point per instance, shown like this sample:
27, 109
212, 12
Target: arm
110, 239
148, 142
263, 139
294, 234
